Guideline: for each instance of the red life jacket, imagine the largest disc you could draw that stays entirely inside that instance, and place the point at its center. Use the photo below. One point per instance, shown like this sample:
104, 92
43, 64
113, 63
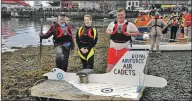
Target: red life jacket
59, 37
87, 37
123, 29
188, 19
90, 34
61, 31
122, 36
174, 23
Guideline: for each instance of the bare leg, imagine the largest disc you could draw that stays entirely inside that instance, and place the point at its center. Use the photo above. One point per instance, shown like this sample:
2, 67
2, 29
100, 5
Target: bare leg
109, 67
158, 39
153, 41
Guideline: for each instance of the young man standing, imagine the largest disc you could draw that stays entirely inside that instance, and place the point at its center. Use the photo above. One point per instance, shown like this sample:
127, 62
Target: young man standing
121, 32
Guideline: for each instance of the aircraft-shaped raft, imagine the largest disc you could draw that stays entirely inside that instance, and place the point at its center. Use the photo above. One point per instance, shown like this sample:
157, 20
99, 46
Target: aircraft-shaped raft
126, 79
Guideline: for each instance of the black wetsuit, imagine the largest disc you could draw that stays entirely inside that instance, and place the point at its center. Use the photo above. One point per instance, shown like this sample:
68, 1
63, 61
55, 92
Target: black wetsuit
85, 41
174, 29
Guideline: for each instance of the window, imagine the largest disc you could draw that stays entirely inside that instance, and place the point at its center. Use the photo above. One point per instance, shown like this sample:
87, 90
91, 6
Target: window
129, 3
133, 3
136, 4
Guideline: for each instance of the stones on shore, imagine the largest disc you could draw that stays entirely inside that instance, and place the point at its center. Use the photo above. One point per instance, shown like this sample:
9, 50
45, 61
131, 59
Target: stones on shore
175, 68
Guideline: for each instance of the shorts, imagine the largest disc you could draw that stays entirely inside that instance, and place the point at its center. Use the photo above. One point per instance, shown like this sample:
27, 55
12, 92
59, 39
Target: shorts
115, 55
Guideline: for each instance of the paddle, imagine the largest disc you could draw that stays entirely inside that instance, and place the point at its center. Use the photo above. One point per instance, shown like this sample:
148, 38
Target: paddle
41, 38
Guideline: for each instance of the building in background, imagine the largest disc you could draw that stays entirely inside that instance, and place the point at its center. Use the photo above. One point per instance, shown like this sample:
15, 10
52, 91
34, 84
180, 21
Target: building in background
65, 4
37, 3
88, 5
7, 4
132, 4
75, 4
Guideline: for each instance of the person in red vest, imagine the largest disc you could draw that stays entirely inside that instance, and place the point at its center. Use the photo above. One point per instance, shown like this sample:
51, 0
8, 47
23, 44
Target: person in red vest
86, 39
62, 39
188, 24
121, 32
174, 28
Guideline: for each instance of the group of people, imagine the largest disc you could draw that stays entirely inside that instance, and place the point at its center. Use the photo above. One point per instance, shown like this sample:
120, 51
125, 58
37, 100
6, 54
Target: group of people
182, 22
121, 33
158, 24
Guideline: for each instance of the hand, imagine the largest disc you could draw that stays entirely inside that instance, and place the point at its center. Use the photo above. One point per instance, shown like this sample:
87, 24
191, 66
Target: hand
132, 34
86, 50
109, 31
82, 50
72, 51
40, 34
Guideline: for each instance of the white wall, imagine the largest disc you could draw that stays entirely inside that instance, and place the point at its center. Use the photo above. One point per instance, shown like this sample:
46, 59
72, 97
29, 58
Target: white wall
88, 5
12, 5
37, 3
132, 3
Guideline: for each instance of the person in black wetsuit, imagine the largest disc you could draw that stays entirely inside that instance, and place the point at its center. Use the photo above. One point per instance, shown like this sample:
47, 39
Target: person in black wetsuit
174, 28
86, 39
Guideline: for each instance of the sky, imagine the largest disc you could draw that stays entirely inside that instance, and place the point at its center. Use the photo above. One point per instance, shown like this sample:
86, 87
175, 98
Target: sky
32, 2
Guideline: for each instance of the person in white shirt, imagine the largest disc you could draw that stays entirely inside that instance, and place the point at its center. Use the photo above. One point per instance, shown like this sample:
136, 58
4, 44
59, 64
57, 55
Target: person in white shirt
121, 34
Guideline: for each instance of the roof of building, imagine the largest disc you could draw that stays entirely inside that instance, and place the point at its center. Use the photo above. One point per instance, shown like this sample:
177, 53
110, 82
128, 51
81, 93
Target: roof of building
21, 2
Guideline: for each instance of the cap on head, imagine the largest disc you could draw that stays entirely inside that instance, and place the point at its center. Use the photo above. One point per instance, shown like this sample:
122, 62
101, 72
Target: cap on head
62, 14
157, 14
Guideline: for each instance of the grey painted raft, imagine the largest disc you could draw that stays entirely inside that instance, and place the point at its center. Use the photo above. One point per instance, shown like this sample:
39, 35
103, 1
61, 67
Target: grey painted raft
65, 91
165, 47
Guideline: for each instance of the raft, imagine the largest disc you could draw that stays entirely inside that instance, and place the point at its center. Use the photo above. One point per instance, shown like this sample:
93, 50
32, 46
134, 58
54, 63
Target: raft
175, 46
123, 82
53, 89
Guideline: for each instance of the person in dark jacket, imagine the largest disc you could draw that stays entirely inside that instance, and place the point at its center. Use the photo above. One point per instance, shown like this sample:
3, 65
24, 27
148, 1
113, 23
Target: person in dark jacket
86, 39
62, 39
174, 28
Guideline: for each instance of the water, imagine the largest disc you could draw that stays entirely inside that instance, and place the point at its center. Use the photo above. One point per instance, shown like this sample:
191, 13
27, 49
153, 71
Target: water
22, 32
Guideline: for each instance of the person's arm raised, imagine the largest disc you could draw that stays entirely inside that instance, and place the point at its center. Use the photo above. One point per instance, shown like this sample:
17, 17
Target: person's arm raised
48, 34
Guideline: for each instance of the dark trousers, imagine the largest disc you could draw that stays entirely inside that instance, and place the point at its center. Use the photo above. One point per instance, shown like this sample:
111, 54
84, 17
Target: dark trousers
182, 30
62, 56
87, 64
173, 32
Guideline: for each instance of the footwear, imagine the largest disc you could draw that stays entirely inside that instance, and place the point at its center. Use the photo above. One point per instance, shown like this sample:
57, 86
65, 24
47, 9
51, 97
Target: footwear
158, 52
170, 40
150, 51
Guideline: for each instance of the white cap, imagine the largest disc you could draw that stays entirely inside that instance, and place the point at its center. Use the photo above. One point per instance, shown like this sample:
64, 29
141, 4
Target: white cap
157, 14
